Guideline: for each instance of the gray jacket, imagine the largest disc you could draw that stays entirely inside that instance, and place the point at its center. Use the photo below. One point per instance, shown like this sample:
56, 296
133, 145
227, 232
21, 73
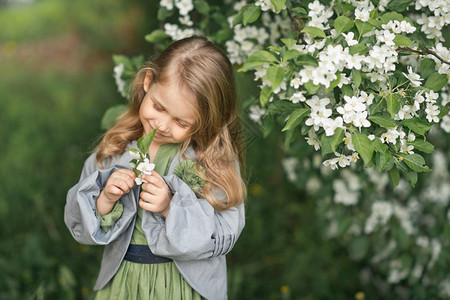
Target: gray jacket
194, 235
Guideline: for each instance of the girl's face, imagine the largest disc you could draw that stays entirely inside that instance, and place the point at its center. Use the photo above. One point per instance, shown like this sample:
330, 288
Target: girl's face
170, 108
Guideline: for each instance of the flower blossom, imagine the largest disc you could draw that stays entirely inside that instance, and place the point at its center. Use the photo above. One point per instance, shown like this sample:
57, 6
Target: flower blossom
413, 77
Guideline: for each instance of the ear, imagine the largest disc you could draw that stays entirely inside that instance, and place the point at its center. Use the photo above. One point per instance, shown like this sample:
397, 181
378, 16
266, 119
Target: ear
147, 80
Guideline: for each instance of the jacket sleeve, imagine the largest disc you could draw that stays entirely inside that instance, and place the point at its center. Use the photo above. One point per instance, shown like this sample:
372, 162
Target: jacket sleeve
193, 230
80, 213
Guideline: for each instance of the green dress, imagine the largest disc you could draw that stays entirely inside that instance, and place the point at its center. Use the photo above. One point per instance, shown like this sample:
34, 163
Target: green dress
147, 281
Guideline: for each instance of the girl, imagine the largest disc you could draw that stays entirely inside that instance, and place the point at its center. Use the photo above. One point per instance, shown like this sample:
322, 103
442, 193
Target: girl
167, 239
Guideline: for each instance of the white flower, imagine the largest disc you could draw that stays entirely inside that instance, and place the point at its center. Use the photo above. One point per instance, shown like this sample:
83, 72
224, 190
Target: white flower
184, 6
296, 82
146, 167
290, 167
265, 5
354, 62
331, 163
349, 38
381, 213
445, 124
362, 14
298, 97
431, 96
185, 20
413, 77
390, 136
331, 125
432, 112
354, 103
167, 4
256, 113
385, 36
118, 71
348, 141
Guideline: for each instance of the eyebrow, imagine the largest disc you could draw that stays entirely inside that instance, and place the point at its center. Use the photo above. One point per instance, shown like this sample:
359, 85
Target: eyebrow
155, 100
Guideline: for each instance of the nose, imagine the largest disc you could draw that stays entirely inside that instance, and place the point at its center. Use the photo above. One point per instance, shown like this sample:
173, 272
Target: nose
163, 126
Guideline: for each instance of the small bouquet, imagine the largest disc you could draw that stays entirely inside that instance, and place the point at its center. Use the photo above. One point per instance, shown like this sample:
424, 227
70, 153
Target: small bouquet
141, 158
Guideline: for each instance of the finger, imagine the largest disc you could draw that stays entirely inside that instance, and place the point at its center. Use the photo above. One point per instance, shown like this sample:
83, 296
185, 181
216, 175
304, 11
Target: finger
150, 206
126, 177
148, 197
113, 192
121, 184
156, 180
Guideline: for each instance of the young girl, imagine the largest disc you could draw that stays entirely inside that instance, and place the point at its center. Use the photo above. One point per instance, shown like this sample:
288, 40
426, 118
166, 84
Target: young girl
167, 239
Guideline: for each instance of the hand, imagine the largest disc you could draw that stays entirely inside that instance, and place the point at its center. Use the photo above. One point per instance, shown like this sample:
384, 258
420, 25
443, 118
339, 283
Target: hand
119, 183
155, 195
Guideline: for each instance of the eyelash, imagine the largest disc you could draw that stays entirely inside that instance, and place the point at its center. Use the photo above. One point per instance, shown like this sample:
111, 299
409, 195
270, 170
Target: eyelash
157, 108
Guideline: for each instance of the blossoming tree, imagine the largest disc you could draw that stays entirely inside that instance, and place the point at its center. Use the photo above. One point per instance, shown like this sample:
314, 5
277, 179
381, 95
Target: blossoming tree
364, 83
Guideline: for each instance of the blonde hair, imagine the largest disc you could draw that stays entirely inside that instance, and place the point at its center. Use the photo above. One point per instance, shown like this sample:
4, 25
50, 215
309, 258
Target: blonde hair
205, 70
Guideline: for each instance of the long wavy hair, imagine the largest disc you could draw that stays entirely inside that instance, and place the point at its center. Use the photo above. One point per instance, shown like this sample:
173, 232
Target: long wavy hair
205, 70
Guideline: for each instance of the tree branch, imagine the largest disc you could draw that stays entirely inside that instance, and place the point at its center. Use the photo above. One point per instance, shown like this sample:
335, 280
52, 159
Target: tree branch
428, 51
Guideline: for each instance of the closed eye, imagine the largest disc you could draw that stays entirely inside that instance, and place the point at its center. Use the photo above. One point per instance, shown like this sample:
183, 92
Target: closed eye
157, 107
182, 124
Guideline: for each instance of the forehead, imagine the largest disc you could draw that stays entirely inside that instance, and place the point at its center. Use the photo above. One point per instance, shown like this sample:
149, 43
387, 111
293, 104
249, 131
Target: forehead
176, 99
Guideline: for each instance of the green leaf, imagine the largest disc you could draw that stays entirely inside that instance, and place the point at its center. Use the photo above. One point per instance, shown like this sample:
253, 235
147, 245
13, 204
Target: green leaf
282, 107
265, 95
363, 27
314, 31
250, 14
257, 59
359, 247
202, 7
358, 49
383, 120
330, 143
402, 40
391, 16
356, 77
382, 159
164, 13
288, 42
411, 177
290, 54
398, 5
436, 81
156, 36
144, 142
279, 4
417, 125
275, 75
111, 115
300, 10
444, 111
342, 24
416, 162
393, 105
427, 67
394, 177
347, 90
363, 146
307, 60
295, 118
311, 88
422, 145
237, 19
290, 137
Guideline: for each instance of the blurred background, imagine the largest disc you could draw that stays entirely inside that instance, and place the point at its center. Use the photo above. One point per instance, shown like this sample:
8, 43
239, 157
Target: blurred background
56, 82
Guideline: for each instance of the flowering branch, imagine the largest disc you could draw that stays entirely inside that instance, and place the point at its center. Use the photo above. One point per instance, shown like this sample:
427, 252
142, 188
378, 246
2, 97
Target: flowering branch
141, 158
421, 53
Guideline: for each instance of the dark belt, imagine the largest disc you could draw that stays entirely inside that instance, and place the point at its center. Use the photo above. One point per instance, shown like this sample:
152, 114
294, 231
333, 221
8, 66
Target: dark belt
143, 255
